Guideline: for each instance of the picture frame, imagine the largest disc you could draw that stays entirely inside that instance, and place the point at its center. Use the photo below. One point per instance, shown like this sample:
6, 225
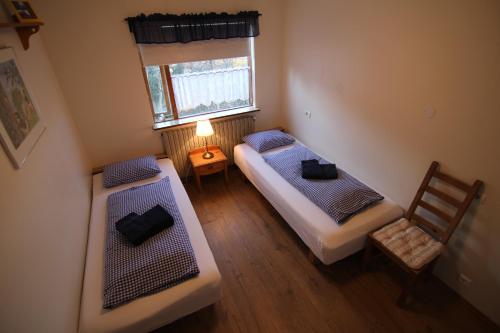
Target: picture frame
22, 11
21, 124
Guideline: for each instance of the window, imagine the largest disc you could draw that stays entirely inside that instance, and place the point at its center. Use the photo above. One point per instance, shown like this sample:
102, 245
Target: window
186, 89
155, 79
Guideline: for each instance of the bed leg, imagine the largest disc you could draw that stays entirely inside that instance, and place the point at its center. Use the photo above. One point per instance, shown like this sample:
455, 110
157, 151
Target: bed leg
312, 258
245, 179
367, 255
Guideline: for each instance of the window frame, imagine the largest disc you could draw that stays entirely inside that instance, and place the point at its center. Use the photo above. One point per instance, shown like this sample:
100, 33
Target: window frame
169, 95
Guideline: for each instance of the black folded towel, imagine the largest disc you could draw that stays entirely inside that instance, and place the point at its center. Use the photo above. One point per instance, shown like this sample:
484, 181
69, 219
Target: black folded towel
139, 228
329, 171
125, 220
311, 169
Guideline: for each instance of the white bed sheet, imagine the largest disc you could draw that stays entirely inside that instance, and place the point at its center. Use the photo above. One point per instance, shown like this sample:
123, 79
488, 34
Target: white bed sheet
329, 241
150, 312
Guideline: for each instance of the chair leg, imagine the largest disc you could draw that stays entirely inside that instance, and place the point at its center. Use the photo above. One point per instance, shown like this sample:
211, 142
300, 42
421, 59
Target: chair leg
402, 299
367, 255
429, 269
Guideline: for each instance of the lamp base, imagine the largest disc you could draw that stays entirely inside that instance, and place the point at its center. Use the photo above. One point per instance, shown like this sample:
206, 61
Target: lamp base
208, 155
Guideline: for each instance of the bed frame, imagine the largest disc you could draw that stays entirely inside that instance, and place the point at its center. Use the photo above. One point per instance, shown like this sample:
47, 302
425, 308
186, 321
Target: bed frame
383, 215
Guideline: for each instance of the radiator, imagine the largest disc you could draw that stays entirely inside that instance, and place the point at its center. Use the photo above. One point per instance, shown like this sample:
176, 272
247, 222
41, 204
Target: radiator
178, 141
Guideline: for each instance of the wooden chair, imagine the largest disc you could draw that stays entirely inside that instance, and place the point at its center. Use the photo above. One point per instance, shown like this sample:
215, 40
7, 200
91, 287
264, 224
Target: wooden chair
414, 242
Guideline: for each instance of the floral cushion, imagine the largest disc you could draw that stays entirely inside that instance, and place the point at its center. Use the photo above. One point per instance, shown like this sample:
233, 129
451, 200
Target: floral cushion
409, 243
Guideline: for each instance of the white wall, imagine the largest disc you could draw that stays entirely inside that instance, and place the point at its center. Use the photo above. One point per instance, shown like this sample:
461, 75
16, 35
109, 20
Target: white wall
368, 71
96, 60
44, 211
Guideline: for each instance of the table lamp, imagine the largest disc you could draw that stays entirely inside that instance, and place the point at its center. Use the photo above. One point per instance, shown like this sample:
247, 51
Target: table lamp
204, 129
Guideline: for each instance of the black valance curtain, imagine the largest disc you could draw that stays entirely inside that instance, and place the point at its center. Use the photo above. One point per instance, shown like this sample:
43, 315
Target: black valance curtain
168, 28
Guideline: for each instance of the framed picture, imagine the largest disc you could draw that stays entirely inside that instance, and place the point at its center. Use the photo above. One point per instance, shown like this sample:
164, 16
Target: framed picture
21, 125
22, 11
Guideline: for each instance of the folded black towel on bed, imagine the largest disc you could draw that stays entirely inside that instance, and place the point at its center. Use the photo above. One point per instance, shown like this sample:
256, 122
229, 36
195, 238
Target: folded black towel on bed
311, 169
139, 228
329, 171
125, 220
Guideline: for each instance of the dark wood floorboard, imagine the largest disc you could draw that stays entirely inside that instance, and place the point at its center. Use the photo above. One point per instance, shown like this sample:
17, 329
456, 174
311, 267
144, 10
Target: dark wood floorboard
268, 285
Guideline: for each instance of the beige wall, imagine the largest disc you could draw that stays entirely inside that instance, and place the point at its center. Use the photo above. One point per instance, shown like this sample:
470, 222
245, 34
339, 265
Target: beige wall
368, 71
44, 212
97, 63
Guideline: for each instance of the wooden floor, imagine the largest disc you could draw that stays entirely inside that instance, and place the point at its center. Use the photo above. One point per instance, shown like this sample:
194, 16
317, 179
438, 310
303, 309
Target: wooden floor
268, 285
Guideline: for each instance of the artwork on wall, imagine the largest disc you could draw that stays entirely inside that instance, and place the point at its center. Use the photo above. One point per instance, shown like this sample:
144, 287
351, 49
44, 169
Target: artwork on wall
22, 11
20, 122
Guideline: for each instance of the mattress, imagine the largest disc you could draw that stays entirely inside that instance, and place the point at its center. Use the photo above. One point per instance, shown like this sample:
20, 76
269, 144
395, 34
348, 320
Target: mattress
328, 241
150, 312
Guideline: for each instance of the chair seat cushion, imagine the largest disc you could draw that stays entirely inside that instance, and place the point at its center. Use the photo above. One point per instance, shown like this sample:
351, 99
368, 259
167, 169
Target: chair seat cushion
409, 243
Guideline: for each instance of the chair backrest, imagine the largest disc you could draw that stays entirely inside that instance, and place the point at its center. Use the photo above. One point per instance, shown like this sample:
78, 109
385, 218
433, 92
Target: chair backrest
451, 221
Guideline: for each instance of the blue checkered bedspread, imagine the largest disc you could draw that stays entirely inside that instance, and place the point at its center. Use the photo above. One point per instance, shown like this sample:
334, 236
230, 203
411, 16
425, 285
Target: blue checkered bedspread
161, 262
340, 198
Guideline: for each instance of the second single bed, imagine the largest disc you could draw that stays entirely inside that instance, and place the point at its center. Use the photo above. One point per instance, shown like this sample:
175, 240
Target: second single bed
326, 239
152, 311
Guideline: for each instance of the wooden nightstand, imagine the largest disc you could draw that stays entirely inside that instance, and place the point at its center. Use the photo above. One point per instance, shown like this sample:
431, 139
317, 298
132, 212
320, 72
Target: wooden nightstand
203, 167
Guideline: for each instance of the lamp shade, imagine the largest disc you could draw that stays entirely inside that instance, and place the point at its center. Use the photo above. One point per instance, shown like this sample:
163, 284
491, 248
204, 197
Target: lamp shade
204, 128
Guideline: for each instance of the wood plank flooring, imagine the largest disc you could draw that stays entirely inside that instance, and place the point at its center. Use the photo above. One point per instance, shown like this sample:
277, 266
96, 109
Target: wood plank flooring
268, 285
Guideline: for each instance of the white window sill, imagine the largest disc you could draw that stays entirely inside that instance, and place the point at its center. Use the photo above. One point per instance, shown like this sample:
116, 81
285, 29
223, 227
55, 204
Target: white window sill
213, 115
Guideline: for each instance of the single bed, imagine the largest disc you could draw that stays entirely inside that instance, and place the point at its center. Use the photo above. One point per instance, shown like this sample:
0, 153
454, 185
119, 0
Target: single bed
328, 241
150, 312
